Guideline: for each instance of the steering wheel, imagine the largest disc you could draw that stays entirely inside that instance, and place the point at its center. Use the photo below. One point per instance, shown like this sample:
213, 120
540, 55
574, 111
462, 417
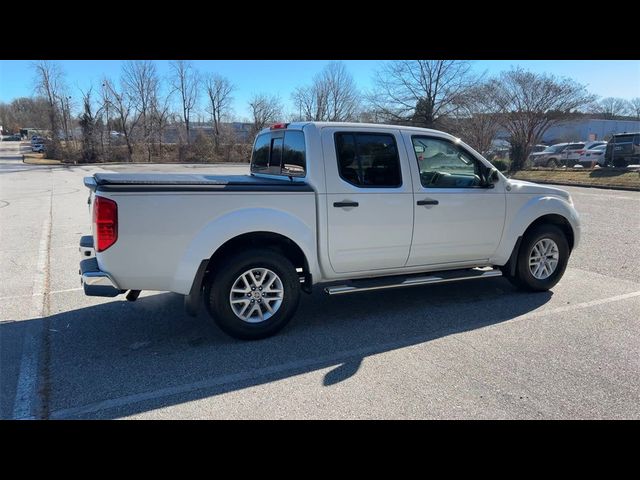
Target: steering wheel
434, 178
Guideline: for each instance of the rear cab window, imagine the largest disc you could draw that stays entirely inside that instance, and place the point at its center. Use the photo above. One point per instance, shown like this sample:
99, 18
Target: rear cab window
279, 152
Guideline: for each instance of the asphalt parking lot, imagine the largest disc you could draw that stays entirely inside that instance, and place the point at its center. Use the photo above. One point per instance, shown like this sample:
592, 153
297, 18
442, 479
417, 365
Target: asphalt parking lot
469, 350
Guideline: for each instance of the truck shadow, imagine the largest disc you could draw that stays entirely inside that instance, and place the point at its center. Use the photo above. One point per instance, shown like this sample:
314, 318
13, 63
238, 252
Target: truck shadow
118, 359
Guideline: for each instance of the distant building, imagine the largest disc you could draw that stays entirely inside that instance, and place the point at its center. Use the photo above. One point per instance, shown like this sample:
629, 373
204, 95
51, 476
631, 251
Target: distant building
589, 129
584, 129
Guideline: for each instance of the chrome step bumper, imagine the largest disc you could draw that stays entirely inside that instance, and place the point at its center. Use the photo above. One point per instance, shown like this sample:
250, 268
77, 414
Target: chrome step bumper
86, 247
383, 283
95, 282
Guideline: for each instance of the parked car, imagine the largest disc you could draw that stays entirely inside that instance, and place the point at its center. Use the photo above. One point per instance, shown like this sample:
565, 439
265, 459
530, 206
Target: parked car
592, 157
38, 148
623, 149
35, 140
537, 149
11, 138
352, 207
563, 154
550, 157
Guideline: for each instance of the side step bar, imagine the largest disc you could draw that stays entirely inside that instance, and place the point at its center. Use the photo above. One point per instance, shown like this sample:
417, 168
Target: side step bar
410, 281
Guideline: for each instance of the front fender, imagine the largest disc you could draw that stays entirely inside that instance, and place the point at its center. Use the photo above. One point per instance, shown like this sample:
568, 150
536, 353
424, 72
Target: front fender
238, 222
520, 218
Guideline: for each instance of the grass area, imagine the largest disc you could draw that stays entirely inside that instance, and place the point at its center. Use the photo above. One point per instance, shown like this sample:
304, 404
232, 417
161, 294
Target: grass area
38, 159
606, 177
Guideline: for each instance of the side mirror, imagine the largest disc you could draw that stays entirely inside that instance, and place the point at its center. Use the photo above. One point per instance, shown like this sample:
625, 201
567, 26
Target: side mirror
493, 176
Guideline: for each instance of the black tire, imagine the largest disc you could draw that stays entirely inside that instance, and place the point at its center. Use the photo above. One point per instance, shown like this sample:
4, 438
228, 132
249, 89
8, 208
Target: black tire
218, 288
524, 279
553, 163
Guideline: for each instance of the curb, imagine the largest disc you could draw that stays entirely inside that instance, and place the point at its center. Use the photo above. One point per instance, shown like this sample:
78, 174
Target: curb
43, 164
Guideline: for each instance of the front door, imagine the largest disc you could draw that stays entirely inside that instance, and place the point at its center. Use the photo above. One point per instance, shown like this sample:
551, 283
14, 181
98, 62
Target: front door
369, 199
457, 220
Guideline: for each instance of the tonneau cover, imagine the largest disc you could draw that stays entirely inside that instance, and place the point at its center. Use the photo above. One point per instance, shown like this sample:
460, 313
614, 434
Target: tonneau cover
178, 181
185, 179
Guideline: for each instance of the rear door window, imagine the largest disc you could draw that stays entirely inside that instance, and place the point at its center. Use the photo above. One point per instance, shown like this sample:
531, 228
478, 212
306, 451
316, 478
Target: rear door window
368, 159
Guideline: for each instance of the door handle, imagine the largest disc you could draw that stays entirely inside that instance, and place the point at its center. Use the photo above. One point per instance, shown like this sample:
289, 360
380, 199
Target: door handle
345, 204
427, 202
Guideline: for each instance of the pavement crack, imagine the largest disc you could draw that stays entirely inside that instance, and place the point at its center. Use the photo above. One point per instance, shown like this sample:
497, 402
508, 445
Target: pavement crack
44, 392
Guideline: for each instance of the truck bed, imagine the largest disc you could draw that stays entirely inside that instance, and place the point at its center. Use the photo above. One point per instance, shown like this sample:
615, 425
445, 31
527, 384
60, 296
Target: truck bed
168, 223
128, 182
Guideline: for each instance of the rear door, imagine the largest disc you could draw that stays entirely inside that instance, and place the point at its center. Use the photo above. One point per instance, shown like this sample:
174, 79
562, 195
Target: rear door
369, 199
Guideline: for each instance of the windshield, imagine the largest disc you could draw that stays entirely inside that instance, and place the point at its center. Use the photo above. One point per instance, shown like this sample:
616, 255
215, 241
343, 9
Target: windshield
623, 139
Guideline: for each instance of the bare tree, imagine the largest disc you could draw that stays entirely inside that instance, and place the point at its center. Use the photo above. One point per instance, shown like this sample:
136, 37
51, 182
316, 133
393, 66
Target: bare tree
141, 80
333, 96
476, 121
185, 81
24, 112
88, 127
634, 105
219, 91
161, 114
529, 103
50, 85
420, 92
264, 110
610, 108
103, 112
123, 105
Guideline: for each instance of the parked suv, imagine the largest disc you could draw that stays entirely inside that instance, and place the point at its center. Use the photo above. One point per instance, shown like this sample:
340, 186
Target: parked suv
593, 156
537, 149
623, 149
550, 157
563, 154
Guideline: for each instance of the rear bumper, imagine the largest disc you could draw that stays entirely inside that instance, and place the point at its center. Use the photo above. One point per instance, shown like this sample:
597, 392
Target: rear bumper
95, 282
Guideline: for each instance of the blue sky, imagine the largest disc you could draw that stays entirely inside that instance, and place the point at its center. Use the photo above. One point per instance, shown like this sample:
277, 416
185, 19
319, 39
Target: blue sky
607, 78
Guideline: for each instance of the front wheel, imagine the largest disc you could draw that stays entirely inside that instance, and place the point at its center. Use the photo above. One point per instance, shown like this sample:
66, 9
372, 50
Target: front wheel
254, 294
542, 258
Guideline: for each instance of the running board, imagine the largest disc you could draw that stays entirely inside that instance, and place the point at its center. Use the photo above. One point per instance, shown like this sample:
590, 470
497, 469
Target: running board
383, 283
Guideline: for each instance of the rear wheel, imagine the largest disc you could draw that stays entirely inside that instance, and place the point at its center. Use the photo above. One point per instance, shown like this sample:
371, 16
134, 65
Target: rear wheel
553, 163
542, 259
254, 294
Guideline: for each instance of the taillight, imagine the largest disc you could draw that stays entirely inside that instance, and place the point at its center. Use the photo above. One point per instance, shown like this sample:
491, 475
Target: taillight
105, 222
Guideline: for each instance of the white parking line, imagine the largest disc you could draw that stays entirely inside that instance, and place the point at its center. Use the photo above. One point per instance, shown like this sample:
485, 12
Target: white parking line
26, 389
40, 294
578, 306
605, 196
295, 365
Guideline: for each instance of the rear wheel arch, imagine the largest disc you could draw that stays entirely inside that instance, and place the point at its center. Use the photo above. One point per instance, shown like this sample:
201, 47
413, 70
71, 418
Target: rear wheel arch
240, 296
261, 240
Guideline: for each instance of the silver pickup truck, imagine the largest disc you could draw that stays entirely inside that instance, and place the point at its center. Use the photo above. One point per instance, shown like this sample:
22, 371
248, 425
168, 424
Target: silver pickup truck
351, 206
